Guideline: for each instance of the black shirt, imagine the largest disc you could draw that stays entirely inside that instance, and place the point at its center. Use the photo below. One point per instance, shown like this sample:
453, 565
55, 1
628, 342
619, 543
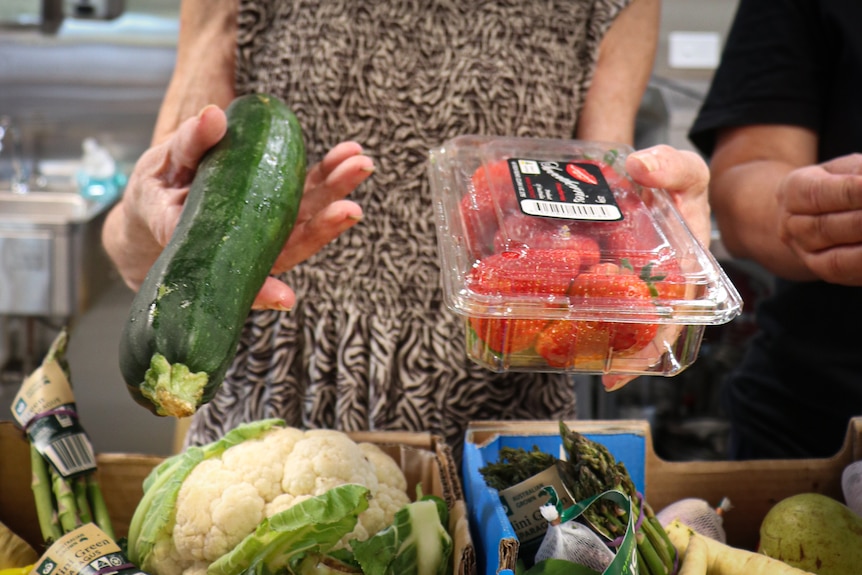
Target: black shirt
794, 62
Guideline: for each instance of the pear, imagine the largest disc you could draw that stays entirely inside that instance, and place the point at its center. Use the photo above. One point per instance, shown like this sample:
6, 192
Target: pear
815, 533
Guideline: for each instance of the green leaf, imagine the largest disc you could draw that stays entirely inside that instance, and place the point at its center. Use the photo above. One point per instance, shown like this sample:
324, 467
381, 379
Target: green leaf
416, 543
282, 541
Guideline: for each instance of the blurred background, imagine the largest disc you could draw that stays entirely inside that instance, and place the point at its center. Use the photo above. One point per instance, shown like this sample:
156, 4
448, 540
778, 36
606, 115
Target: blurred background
94, 71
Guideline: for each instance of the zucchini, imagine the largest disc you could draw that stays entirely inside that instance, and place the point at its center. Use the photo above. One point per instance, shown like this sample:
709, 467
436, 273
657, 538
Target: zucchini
185, 322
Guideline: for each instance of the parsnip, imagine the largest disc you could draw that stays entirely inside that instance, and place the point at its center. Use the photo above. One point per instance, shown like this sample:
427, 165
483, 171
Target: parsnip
704, 556
14, 551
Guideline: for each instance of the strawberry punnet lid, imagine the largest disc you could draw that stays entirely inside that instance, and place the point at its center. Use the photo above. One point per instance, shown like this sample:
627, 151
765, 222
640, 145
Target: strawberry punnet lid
536, 230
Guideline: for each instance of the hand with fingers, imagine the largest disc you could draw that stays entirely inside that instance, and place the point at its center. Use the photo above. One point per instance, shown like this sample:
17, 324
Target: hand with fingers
141, 224
685, 176
820, 218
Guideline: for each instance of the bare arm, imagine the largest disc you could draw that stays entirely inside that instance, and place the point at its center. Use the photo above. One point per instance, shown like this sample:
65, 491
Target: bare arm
799, 219
203, 74
748, 167
205, 63
626, 57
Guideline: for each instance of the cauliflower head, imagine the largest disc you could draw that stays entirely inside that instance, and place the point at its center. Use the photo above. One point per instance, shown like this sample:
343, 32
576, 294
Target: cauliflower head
224, 498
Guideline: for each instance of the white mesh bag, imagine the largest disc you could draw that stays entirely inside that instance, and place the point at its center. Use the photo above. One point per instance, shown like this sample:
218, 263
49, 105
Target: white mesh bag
851, 485
572, 541
697, 514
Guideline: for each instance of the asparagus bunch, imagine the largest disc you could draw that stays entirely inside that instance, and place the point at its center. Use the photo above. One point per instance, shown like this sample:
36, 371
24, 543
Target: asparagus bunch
514, 465
589, 470
64, 504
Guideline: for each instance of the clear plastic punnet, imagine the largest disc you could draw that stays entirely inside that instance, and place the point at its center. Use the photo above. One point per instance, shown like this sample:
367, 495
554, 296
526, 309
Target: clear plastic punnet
559, 262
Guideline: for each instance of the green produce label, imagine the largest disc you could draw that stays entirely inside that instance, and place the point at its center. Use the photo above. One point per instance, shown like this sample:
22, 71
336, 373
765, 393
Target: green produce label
85, 551
45, 408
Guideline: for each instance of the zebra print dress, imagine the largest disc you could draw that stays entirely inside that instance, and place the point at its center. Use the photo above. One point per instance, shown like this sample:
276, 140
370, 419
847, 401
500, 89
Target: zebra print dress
370, 343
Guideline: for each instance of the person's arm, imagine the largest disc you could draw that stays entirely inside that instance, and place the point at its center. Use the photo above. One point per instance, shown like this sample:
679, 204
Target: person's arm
776, 205
748, 166
205, 63
626, 57
139, 226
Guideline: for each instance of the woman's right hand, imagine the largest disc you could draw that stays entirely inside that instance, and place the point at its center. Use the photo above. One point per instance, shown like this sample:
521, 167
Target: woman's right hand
142, 223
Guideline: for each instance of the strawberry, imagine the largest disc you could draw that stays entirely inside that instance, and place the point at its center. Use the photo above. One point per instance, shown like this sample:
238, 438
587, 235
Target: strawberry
512, 275
630, 236
519, 231
666, 278
507, 335
530, 272
491, 196
564, 342
616, 180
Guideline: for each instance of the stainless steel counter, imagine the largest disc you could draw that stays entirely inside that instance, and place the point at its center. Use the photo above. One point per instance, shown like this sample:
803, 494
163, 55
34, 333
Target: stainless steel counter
51, 259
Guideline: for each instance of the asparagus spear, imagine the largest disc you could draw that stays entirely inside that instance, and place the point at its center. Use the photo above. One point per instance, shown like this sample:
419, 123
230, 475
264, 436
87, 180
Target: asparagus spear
62, 504
65, 499
44, 496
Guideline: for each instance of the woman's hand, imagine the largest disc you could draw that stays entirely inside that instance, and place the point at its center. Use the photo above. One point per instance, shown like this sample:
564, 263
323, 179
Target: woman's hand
141, 224
685, 176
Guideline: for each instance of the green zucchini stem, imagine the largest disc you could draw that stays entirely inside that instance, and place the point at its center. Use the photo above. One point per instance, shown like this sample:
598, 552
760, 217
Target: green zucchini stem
173, 388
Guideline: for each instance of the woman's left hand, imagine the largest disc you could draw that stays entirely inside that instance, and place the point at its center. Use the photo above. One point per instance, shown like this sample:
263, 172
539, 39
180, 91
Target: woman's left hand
685, 176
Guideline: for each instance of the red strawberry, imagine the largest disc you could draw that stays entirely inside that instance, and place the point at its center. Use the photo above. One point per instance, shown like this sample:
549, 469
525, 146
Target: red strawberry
507, 335
520, 231
618, 291
636, 239
528, 272
512, 275
564, 342
491, 196
666, 278
617, 181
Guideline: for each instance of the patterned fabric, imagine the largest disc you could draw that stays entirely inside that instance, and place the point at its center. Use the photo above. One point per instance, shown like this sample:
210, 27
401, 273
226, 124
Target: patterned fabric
370, 344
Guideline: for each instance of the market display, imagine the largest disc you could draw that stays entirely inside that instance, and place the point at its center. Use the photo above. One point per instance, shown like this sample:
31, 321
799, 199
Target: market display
588, 471
703, 555
517, 471
186, 319
698, 514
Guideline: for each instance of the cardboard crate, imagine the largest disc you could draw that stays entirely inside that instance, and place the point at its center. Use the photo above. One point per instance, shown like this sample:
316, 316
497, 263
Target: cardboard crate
753, 487
424, 458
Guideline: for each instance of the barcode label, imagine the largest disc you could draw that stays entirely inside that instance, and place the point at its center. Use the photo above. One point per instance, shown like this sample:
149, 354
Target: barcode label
71, 454
570, 211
